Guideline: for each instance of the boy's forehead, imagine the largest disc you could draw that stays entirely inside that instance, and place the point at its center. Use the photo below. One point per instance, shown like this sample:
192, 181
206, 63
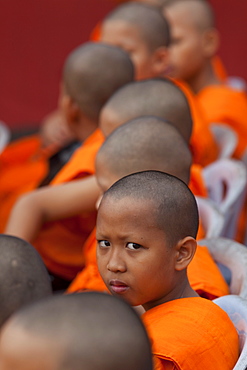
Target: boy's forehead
176, 15
121, 202
188, 13
126, 214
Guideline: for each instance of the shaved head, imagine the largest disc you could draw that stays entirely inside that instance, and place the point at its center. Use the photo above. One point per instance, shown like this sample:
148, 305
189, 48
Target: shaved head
93, 72
89, 331
145, 143
149, 21
158, 3
23, 275
170, 197
198, 12
156, 97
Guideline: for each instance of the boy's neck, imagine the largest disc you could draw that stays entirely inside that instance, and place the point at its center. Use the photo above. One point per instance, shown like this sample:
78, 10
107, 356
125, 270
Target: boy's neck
206, 77
183, 289
85, 128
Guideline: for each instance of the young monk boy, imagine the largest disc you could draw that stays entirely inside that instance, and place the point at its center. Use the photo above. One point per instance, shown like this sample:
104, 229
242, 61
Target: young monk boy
90, 331
194, 42
24, 278
143, 32
88, 84
147, 143
145, 245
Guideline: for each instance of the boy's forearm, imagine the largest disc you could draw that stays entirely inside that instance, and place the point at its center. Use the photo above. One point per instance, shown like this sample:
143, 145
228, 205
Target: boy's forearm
25, 219
52, 203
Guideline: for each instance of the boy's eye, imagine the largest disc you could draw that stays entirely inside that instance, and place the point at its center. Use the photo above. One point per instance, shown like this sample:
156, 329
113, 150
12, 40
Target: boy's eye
133, 246
103, 244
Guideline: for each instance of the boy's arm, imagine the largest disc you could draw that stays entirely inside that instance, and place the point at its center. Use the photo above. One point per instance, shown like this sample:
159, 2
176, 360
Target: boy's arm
51, 203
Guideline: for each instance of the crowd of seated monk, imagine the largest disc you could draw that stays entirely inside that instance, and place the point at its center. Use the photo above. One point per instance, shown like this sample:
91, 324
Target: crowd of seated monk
98, 210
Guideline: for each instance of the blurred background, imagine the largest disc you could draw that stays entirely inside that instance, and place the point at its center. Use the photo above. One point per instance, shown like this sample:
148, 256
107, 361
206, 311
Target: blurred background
36, 36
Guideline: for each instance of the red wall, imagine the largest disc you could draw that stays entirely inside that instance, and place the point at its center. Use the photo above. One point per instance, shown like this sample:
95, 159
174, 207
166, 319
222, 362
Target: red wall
231, 21
36, 36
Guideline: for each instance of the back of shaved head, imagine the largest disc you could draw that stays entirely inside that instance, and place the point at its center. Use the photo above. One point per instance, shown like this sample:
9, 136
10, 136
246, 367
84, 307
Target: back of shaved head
147, 19
174, 206
89, 331
24, 278
200, 12
149, 2
158, 3
93, 72
145, 143
156, 97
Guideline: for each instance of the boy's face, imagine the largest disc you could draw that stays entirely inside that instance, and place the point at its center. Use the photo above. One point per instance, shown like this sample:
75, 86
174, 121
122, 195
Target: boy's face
185, 55
133, 257
128, 38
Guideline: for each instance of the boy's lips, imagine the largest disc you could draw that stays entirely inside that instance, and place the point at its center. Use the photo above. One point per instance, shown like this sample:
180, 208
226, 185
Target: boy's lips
118, 286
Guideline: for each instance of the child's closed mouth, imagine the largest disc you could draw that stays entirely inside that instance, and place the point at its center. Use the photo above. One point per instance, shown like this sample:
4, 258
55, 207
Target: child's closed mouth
118, 286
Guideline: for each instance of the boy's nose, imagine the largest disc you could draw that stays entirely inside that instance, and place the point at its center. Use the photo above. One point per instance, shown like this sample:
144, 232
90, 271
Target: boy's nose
116, 263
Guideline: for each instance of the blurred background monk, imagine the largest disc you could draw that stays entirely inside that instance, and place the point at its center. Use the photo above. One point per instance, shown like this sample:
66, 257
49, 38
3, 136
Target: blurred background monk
194, 42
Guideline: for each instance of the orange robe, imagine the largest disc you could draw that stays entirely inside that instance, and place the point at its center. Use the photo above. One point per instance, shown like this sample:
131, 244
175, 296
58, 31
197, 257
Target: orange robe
89, 278
202, 143
197, 186
23, 165
219, 68
203, 273
96, 33
60, 242
222, 104
191, 333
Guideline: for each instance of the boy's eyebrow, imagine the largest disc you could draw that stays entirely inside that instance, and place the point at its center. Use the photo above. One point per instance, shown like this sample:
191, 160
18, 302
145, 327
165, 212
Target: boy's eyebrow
123, 237
100, 236
126, 236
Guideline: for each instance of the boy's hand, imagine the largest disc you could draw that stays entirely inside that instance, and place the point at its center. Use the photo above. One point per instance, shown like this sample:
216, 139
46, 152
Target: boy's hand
55, 131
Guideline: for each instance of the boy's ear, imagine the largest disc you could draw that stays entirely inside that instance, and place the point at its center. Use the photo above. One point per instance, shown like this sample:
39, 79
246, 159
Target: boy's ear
70, 108
211, 42
160, 61
186, 249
